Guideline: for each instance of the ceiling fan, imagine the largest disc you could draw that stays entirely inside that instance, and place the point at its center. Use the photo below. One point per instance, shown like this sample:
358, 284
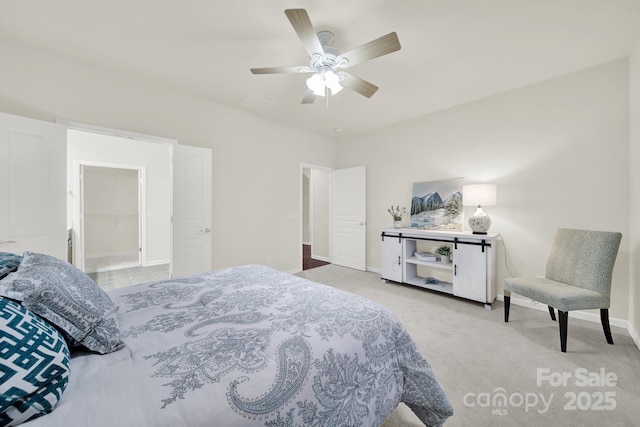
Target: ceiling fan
327, 64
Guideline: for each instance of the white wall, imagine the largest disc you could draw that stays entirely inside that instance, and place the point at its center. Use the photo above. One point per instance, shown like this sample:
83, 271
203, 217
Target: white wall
634, 156
558, 152
154, 157
256, 162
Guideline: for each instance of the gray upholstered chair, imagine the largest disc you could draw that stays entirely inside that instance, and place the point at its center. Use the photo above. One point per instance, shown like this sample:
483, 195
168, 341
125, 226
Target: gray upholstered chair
578, 277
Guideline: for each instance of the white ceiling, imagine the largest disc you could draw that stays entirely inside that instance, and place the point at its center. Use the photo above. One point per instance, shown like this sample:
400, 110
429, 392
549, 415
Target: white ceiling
453, 51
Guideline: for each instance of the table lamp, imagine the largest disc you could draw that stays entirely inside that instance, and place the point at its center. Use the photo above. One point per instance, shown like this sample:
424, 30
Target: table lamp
479, 195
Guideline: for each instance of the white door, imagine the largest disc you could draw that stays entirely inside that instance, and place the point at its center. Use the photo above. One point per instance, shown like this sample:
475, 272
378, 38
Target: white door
348, 218
191, 233
392, 258
33, 161
470, 272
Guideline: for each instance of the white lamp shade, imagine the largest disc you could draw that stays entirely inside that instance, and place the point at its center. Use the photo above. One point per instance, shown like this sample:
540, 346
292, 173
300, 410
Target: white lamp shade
479, 195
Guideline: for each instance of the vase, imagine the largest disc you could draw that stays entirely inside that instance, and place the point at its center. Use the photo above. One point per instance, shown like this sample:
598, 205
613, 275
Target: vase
397, 224
445, 259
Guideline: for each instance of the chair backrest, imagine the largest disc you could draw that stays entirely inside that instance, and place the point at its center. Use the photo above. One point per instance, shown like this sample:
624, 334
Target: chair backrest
584, 258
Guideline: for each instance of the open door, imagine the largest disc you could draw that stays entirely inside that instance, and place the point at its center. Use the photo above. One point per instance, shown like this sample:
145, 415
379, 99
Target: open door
349, 218
191, 225
33, 158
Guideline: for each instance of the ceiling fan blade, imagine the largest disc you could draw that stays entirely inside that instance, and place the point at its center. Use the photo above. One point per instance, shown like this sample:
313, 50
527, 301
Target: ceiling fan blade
309, 97
355, 83
302, 24
375, 48
276, 70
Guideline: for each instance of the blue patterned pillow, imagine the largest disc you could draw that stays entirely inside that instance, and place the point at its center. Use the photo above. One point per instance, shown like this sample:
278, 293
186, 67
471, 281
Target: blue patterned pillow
8, 263
34, 365
68, 298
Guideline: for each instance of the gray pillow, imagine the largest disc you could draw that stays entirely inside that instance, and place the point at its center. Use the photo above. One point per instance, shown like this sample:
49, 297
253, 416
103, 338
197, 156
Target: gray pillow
68, 298
8, 263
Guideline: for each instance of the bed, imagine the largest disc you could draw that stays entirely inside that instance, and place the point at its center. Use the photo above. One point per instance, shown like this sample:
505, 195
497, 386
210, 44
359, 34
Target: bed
240, 346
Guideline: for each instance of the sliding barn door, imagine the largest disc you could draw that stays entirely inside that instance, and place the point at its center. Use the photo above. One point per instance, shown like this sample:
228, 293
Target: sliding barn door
33, 174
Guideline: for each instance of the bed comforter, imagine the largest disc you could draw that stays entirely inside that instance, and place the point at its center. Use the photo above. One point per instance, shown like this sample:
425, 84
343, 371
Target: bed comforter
249, 346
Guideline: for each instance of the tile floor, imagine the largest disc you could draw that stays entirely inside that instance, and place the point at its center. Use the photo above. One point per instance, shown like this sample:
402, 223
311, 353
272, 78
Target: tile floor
120, 278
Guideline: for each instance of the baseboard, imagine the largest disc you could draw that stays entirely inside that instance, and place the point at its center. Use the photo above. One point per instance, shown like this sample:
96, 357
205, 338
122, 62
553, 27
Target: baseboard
121, 254
374, 270
159, 262
320, 258
634, 335
582, 315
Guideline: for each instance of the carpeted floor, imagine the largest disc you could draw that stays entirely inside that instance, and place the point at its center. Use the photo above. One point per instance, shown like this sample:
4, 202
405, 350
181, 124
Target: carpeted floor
507, 374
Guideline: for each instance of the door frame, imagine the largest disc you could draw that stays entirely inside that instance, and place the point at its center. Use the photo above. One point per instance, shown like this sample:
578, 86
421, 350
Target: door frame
304, 166
90, 128
78, 217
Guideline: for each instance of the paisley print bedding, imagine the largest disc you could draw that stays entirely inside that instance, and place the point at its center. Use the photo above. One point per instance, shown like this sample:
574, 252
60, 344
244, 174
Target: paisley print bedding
249, 346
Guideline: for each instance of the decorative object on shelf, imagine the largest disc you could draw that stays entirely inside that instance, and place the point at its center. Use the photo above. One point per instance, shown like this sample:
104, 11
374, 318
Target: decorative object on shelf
437, 205
431, 281
479, 195
445, 254
425, 256
397, 213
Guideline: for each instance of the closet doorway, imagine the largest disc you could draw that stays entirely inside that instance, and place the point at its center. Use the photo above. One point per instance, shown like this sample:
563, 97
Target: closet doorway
315, 181
119, 206
112, 214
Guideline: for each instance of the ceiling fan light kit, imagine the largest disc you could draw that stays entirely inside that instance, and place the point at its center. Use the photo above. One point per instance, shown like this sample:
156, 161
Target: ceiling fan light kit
327, 64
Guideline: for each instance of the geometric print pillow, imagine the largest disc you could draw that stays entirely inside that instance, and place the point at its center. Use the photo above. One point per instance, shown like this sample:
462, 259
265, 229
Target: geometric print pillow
68, 299
34, 365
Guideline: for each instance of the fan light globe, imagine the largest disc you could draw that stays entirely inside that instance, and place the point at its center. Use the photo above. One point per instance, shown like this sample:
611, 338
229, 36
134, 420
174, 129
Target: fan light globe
332, 81
316, 85
319, 82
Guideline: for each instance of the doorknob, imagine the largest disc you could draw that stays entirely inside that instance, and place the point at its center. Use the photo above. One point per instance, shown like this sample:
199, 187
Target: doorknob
206, 230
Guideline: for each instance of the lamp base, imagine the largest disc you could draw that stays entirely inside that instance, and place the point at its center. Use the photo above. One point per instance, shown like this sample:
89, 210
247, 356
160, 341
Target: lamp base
479, 222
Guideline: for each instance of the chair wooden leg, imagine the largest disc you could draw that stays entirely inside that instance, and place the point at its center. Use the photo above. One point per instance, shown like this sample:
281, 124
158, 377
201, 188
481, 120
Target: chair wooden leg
507, 304
604, 318
563, 319
552, 312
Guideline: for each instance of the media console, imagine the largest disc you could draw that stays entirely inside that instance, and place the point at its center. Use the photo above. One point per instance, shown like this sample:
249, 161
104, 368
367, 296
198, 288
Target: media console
471, 273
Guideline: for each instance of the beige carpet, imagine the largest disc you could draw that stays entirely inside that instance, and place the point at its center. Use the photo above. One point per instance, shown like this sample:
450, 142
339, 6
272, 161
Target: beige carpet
507, 374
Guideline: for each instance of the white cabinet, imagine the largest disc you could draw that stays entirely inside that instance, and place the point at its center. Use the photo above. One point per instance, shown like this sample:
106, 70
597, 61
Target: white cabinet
470, 274
392, 259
